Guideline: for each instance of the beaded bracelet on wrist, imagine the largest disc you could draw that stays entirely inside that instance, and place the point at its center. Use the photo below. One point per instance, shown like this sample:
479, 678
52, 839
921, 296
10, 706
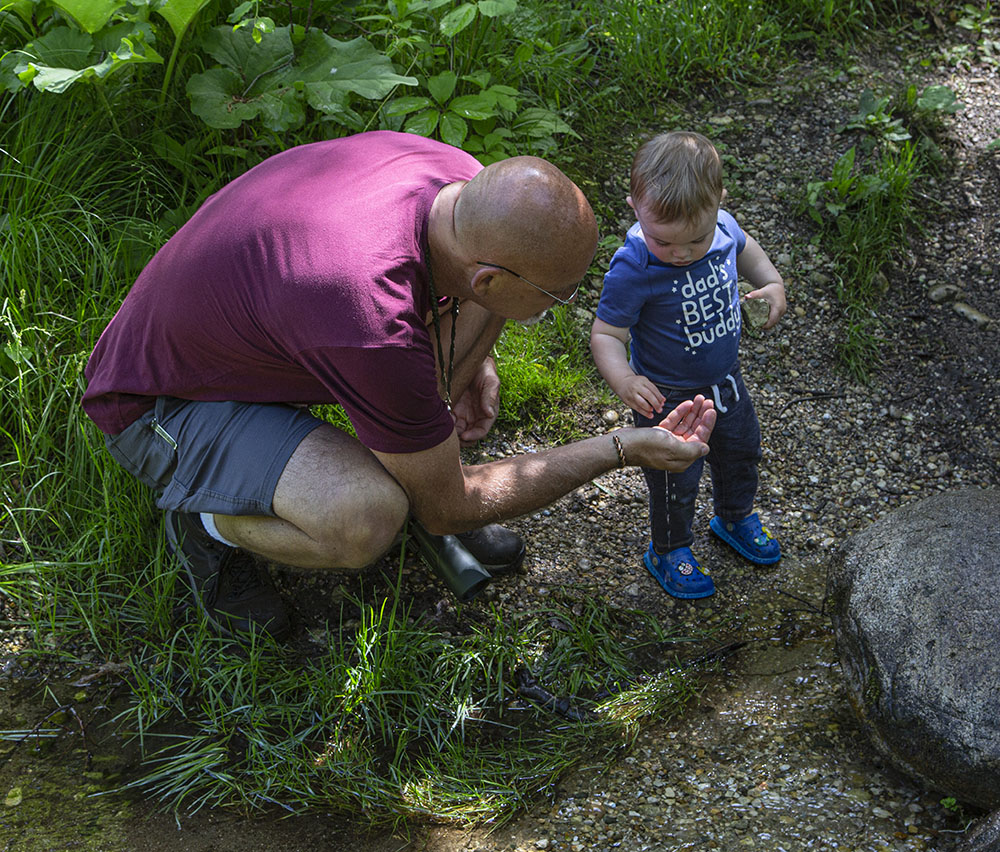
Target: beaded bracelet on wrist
621, 451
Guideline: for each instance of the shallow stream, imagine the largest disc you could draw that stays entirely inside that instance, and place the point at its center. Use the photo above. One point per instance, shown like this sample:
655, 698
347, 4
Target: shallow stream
770, 757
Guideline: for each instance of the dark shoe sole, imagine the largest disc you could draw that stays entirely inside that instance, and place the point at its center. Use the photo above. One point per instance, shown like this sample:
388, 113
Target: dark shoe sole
204, 590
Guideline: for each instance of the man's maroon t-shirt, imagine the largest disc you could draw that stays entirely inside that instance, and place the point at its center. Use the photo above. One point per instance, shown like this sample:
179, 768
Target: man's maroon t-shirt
302, 281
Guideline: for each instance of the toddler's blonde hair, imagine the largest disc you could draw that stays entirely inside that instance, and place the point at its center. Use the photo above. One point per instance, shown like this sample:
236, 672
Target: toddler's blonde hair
676, 176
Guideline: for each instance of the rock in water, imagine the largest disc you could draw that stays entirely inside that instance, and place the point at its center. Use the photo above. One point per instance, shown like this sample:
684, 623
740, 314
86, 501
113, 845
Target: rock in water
915, 602
983, 836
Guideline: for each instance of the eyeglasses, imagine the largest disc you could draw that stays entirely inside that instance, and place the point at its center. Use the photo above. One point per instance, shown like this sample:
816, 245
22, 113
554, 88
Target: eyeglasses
549, 293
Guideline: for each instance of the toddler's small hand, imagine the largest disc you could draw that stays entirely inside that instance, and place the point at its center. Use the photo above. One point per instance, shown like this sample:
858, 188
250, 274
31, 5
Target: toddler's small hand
640, 393
774, 295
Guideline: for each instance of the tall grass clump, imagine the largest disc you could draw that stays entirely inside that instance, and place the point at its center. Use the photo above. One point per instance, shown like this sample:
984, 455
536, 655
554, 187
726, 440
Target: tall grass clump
77, 226
390, 717
674, 46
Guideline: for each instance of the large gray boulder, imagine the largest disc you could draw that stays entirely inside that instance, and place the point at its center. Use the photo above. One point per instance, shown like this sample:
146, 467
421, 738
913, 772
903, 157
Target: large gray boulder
915, 602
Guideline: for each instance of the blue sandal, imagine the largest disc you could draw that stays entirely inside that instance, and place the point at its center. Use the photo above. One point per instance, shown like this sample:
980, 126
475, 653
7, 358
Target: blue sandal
748, 538
679, 573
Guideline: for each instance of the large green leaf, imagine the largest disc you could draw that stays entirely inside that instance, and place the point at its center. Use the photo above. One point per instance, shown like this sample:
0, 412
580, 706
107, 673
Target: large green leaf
91, 15
267, 81
63, 56
247, 86
473, 106
442, 86
453, 129
332, 69
61, 47
217, 97
253, 62
423, 123
457, 20
406, 105
179, 13
940, 99
505, 96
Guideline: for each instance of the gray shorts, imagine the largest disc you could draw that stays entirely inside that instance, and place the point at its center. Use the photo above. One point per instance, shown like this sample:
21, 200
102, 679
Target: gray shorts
219, 457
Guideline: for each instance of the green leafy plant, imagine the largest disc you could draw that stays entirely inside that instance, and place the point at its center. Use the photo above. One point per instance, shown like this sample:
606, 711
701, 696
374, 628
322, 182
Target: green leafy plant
276, 78
843, 188
868, 204
864, 215
79, 41
467, 104
957, 810
926, 111
974, 17
448, 117
265, 73
937, 100
486, 123
875, 116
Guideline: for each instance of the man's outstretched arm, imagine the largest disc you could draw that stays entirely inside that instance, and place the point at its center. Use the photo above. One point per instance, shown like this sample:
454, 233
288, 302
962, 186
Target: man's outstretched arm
448, 497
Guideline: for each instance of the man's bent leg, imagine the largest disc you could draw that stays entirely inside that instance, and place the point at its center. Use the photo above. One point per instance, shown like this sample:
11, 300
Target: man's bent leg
335, 507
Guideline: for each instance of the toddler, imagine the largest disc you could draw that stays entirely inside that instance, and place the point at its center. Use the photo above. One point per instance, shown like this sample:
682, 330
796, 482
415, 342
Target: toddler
672, 289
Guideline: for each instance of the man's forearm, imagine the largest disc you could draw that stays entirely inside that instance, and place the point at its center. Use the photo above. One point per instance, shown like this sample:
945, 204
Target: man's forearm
447, 496
517, 485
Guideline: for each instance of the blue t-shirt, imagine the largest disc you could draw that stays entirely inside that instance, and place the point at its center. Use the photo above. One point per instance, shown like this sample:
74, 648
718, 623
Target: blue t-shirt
684, 320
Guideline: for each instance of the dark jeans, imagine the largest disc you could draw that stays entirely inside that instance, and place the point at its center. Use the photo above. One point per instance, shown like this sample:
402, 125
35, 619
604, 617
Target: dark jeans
734, 454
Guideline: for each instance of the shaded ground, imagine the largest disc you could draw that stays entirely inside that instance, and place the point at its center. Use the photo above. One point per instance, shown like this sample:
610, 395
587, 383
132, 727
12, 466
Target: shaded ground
771, 757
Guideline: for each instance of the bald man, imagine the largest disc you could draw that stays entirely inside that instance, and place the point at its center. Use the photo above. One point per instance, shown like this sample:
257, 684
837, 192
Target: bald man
375, 271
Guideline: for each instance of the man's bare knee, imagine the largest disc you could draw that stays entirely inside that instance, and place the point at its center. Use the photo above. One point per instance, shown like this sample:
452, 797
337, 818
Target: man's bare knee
338, 494
357, 544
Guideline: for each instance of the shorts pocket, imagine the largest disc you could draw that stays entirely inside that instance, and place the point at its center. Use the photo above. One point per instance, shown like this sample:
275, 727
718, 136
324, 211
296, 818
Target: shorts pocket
146, 451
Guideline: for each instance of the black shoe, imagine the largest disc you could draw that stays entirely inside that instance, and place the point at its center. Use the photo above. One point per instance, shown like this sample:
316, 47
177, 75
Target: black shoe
498, 549
233, 592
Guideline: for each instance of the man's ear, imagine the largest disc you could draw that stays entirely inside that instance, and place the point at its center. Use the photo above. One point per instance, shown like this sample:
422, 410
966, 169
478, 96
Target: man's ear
628, 201
483, 280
